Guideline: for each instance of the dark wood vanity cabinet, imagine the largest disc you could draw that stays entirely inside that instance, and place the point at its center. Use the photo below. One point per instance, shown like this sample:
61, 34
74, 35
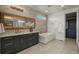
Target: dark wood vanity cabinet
14, 44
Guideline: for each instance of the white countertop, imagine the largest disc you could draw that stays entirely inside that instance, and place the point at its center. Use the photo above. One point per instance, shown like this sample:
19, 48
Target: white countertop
14, 34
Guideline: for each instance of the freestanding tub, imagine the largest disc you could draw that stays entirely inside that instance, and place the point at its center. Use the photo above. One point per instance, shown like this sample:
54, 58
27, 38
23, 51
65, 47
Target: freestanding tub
45, 37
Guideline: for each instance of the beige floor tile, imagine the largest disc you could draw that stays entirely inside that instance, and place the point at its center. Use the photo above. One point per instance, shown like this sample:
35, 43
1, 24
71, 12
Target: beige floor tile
54, 47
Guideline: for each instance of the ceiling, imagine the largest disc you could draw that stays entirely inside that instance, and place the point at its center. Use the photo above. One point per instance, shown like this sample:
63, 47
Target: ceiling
48, 9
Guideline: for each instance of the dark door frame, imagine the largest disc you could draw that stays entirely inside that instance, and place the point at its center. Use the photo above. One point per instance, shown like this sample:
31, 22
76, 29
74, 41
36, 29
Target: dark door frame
66, 24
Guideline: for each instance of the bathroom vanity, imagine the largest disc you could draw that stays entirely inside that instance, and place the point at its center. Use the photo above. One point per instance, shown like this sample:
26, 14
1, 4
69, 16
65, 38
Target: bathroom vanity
14, 43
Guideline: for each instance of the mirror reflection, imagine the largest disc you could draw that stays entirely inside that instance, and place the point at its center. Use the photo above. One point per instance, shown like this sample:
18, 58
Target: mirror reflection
17, 22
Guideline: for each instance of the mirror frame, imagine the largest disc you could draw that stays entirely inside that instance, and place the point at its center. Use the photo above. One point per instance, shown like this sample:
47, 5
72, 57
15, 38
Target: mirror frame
2, 14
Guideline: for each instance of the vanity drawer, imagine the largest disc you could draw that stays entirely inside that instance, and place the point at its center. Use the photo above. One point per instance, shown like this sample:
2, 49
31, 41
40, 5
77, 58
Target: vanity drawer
8, 50
7, 40
6, 43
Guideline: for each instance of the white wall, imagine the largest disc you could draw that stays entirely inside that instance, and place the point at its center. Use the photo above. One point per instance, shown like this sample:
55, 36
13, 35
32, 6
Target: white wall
56, 26
56, 23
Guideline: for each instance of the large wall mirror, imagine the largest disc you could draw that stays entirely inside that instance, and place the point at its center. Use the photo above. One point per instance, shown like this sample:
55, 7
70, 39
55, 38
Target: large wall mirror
16, 22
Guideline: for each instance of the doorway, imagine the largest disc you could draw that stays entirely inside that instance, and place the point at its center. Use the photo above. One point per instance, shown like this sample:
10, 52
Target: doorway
71, 25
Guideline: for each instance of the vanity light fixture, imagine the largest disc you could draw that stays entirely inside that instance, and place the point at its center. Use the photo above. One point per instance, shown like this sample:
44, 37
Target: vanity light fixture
17, 8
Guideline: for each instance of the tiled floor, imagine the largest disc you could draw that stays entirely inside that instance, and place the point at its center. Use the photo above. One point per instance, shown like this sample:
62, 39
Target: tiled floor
54, 47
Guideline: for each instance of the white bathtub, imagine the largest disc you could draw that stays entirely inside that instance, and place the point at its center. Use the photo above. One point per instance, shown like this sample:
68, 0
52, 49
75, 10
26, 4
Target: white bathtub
45, 37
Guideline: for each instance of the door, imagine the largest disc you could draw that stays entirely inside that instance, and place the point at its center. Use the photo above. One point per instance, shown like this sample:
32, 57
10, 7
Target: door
71, 30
